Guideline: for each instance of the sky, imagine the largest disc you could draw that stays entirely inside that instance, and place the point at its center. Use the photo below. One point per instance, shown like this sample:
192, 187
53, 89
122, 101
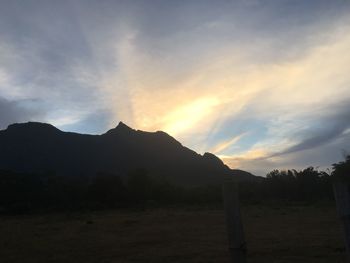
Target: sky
262, 84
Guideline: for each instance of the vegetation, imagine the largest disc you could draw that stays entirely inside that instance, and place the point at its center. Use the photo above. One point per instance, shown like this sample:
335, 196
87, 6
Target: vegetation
24, 193
172, 231
341, 170
308, 185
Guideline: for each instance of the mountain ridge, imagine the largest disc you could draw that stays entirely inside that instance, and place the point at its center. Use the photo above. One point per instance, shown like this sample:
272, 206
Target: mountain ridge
41, 147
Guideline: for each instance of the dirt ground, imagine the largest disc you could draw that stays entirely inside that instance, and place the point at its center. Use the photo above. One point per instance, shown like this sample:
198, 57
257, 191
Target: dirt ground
189, 234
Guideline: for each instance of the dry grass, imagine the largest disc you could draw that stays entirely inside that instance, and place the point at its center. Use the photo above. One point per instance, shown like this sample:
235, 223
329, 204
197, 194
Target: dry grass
288, 234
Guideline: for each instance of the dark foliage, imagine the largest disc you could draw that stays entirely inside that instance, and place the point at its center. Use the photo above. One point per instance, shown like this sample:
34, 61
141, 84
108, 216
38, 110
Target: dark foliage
341, 170
25, 193
308, 185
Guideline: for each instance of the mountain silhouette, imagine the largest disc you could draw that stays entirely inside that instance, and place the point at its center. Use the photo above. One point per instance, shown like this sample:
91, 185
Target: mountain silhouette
40, 148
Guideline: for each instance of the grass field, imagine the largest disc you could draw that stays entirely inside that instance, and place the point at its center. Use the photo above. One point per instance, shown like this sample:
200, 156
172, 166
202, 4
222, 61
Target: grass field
190, 234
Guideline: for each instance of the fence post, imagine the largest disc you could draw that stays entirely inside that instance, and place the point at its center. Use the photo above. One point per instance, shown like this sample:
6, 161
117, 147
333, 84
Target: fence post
342, 198
237, 244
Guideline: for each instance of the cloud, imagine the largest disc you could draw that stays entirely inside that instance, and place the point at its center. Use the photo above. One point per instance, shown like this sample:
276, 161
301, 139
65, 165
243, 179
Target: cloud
333, 123
254, 77
18, 111
51, 63
95, 123
204, 72
227, 143
319, 143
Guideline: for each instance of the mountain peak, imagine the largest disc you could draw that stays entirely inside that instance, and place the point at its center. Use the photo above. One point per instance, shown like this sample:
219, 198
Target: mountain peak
121, 128
122, 125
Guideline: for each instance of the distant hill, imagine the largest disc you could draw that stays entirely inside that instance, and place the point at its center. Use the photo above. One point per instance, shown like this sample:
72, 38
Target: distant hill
39, 148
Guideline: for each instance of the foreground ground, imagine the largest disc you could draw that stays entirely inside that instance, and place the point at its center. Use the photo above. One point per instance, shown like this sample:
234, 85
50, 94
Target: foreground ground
192, 234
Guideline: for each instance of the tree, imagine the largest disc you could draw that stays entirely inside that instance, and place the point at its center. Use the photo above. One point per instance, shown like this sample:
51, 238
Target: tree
107, 190
341, 170
139, 185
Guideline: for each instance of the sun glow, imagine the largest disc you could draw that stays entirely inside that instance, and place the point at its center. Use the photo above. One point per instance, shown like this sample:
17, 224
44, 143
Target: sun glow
225, 144
188, 116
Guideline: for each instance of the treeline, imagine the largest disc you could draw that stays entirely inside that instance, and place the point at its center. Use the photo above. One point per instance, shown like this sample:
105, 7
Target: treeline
308, 185
26, 193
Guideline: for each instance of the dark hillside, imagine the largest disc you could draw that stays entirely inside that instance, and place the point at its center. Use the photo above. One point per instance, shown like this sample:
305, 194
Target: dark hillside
41, 148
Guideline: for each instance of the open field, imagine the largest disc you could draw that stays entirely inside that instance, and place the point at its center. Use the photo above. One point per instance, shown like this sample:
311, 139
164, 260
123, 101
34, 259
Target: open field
190, 234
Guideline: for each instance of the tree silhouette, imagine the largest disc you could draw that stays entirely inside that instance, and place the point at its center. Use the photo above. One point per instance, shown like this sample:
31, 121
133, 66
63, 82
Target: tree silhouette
341, 170
107, 190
